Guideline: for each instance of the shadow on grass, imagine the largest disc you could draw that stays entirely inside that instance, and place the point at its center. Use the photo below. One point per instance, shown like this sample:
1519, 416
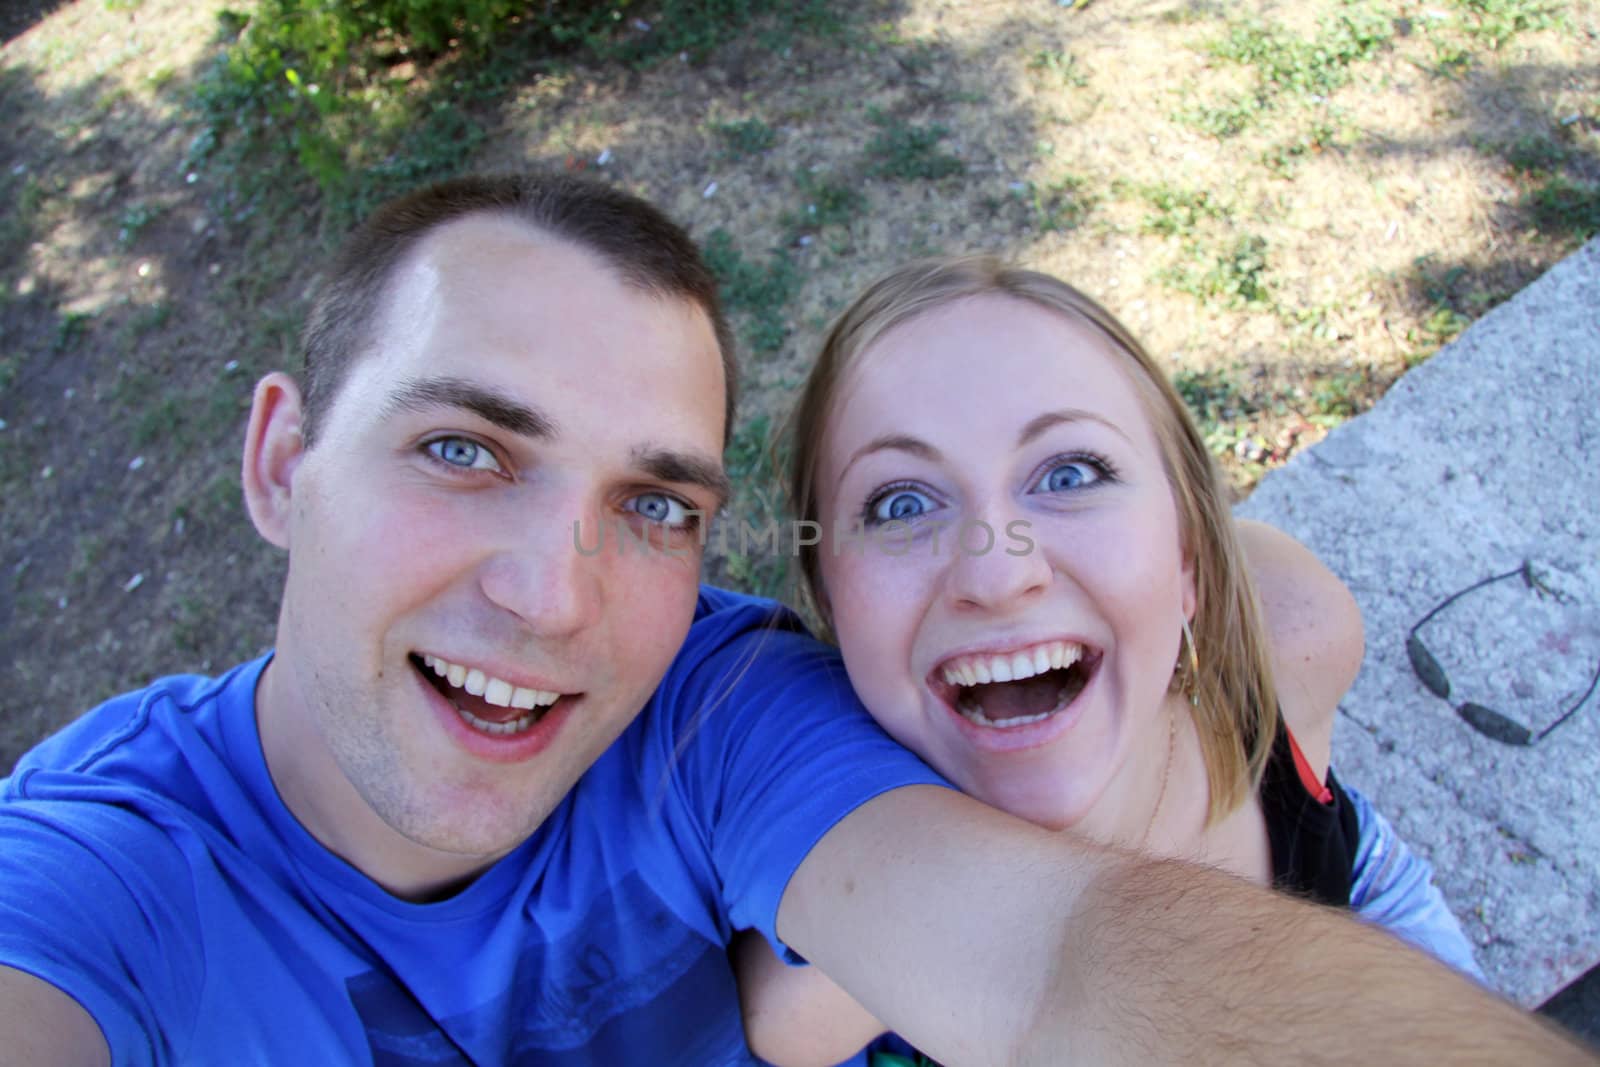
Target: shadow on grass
1551, 163
17, 17
120, 413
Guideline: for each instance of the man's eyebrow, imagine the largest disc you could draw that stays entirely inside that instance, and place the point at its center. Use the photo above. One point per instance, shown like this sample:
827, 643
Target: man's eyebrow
423, 394
1050, 419
898, 442
670, 465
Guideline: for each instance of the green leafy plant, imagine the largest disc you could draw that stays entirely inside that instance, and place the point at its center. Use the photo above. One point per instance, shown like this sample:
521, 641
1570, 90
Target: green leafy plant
1447, 291
1222, 406
1535, 154
1062, 66
1498, 21
1281, 159
1451, 59
1221, 120
1318, 65
1564, 208
364, 98
756, 293
1236, 278
746, 137
70, 328
1191, 12
1290, 67
753, 462
1213, 395
27, 200
1440, 327
1176, 210
134, 219
145, 319
165, 420
829, 202
1058, 206
1338, 396
901, 150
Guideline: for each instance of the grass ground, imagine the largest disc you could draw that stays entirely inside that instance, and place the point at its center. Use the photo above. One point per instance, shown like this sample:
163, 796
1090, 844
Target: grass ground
1291, 204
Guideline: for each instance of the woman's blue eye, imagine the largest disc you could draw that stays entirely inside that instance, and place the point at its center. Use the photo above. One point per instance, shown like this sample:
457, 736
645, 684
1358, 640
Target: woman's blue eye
660, 508
1072, 475
902, 505
463, 452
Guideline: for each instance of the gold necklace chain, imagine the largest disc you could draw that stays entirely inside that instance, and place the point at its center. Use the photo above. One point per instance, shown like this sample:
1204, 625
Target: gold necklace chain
1166, 776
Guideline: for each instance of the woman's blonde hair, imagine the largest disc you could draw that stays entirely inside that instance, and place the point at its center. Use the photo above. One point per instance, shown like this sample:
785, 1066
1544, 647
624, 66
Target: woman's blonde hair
1236, 709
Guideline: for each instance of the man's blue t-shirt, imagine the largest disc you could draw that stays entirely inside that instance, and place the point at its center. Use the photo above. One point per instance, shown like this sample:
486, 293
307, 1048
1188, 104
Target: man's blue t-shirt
150, 870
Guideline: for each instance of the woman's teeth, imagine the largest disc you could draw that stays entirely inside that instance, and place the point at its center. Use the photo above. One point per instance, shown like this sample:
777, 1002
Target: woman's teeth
1012, 667
973, 713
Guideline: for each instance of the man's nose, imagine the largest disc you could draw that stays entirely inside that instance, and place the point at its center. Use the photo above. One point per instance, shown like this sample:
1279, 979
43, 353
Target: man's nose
542, 577
994, 564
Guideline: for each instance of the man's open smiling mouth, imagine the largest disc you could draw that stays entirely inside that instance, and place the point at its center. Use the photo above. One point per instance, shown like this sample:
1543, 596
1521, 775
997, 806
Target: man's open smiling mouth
1012, 689
488, 704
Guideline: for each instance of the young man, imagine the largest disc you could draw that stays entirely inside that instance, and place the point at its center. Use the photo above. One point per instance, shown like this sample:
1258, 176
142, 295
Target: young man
494, 799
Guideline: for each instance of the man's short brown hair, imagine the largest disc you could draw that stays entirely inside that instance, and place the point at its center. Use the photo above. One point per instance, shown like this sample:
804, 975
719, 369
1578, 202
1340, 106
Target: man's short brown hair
632, 237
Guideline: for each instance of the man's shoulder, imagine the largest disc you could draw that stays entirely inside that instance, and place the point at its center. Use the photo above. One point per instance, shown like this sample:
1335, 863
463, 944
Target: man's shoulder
137, 734
723, 610
130, 797
725, 620
743, 656
103, 822
738, 638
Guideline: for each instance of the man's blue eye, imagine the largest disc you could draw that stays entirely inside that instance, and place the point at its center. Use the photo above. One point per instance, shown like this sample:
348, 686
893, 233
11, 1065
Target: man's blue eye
902, 505
463, 452
660, 508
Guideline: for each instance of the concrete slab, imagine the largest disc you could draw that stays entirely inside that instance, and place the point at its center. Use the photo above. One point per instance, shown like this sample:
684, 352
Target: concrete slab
1483, 458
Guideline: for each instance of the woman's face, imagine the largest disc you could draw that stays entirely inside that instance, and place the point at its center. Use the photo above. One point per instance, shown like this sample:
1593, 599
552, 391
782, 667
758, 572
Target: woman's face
1020, 633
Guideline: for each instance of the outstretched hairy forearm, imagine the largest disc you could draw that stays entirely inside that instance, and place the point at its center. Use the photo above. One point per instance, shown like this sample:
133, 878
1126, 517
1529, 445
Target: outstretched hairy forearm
985, 940
1167, 963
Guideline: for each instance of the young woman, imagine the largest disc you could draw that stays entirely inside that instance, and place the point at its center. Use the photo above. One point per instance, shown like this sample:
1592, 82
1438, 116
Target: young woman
1030, 567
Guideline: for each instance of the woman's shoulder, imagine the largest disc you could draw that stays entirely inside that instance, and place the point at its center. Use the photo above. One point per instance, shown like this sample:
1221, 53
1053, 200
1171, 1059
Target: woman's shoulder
1314, 629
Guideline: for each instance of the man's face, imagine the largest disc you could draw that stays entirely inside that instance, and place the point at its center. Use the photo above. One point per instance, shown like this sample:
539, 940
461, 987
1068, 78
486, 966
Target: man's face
437, 602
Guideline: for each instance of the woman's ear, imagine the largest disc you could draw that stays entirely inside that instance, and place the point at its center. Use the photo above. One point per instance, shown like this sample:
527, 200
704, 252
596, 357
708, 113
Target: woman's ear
1190, 597
815, 594
818, 588
273, 447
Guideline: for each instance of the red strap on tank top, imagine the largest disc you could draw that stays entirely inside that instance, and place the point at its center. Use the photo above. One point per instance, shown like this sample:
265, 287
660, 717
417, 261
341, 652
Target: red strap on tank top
1308, 775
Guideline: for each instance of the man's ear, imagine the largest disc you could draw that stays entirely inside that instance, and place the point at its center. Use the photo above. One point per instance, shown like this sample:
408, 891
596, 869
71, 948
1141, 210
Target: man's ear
273, 448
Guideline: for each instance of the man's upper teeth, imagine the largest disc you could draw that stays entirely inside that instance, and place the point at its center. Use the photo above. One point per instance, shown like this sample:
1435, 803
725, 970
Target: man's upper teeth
1013, 666
493, 690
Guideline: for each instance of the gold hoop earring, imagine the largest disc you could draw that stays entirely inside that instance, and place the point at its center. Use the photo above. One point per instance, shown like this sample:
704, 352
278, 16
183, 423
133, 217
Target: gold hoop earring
1189, 680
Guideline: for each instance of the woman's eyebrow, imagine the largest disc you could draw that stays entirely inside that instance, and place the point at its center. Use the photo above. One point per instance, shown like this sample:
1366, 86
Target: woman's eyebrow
899, 442
491, 405
1051, 419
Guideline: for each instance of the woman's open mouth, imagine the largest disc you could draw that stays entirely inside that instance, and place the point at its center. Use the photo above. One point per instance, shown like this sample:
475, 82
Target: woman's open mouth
1013, 689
